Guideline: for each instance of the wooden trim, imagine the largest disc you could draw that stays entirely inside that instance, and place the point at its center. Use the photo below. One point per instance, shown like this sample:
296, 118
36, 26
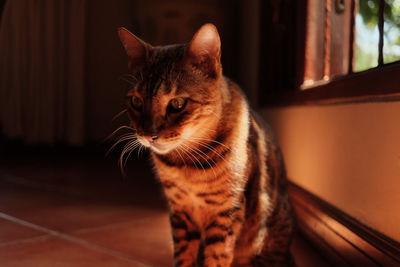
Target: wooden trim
340, 38
328, 40
352, 35
300, 39
341, 238
378, 84
314, 40
380, 27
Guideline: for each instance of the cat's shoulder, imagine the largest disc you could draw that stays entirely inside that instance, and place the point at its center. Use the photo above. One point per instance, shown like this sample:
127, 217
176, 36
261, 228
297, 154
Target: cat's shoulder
264, 126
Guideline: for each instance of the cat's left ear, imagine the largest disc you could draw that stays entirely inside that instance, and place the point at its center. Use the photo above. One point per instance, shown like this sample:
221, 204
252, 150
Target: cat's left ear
136, 49
204, 51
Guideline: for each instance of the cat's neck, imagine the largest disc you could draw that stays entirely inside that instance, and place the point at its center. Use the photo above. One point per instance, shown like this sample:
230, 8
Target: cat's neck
215, 139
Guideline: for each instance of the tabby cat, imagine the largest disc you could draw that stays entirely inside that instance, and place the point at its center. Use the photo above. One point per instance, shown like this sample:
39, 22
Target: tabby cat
219, 164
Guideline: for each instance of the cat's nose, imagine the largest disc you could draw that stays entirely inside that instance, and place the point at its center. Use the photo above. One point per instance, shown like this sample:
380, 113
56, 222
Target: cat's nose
151, 138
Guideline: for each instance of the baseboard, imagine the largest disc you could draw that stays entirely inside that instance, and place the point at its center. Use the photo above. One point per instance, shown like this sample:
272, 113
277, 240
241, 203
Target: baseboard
339, 237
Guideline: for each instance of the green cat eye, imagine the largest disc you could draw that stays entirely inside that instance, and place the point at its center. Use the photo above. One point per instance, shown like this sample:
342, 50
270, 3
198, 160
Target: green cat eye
136, 102
177, 104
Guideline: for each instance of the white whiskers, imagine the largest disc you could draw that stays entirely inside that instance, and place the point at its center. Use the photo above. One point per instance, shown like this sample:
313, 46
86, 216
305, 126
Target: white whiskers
132, 143
177, 151
128, 148
186, 150
195, 153
117, 130
124, 76
211, 140
210, 148
119, 114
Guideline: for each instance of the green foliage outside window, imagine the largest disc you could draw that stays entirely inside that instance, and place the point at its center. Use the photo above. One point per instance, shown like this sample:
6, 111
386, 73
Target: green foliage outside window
368, 10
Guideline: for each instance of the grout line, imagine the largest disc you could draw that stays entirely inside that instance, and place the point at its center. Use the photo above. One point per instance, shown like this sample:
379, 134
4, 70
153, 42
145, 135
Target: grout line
25, 241
113, 225
71, 239
78, 231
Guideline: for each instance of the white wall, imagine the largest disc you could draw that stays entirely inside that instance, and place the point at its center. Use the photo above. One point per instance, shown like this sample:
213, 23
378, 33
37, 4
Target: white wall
348, 155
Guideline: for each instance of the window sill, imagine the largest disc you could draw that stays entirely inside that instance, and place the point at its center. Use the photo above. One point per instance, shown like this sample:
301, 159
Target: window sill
379, 84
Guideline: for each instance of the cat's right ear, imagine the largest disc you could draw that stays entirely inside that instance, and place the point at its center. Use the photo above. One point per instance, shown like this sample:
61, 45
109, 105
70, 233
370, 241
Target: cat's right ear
204, 51
136, 49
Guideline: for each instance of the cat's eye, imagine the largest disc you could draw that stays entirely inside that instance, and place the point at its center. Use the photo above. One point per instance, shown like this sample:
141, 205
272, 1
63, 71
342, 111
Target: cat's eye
177, 104
136, 103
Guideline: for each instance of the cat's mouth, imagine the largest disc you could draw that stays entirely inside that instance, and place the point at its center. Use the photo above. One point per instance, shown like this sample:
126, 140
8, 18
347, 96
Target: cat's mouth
158, 146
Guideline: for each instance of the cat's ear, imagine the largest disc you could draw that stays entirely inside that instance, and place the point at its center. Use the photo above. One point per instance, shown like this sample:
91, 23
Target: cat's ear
204, 51
136, 49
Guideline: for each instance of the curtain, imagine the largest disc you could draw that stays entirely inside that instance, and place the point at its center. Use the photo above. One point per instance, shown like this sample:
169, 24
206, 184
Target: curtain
42, 70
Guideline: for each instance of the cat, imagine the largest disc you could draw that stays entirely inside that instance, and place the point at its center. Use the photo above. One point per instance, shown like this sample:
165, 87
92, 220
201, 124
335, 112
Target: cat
220, 166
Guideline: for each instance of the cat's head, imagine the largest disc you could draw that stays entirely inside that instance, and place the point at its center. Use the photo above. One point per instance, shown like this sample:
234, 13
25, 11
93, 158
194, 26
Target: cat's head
176, 96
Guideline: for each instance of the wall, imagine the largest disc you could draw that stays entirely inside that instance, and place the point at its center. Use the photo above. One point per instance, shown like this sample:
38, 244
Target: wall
106, 63
348, 155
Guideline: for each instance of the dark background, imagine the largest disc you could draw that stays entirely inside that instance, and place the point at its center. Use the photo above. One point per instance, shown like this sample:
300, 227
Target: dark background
257, 37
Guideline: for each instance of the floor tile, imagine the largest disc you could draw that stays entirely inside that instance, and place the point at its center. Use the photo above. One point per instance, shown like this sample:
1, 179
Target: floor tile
11, 232
54, 252
148, 240
63, 212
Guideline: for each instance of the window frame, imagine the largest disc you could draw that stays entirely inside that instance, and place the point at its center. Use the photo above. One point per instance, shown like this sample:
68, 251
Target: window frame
378, 84
381, 83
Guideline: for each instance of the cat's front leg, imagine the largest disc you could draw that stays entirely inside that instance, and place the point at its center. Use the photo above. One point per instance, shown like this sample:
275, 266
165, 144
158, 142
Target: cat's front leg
220, 237
186, 237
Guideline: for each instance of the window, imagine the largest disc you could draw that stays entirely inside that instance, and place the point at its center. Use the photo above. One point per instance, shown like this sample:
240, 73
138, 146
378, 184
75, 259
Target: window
346, 50
346, 36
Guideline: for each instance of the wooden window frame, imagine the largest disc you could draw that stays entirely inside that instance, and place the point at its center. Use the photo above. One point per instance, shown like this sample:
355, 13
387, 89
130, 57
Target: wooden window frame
381, 83
378, 84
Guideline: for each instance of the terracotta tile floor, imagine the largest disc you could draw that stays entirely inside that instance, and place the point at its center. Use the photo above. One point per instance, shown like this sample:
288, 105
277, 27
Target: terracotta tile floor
77, 210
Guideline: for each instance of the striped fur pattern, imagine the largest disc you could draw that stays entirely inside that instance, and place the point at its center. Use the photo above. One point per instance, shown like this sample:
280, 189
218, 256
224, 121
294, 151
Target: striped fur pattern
220, 166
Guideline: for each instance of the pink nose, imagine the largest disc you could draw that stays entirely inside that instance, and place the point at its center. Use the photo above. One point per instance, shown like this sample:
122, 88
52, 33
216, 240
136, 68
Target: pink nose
151, 138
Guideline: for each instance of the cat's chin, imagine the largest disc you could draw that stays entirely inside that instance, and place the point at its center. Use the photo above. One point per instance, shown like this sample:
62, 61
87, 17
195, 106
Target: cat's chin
162, 150
158, 148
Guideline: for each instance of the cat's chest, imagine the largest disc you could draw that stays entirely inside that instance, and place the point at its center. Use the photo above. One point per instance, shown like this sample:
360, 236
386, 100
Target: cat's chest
190, 197
184, 194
